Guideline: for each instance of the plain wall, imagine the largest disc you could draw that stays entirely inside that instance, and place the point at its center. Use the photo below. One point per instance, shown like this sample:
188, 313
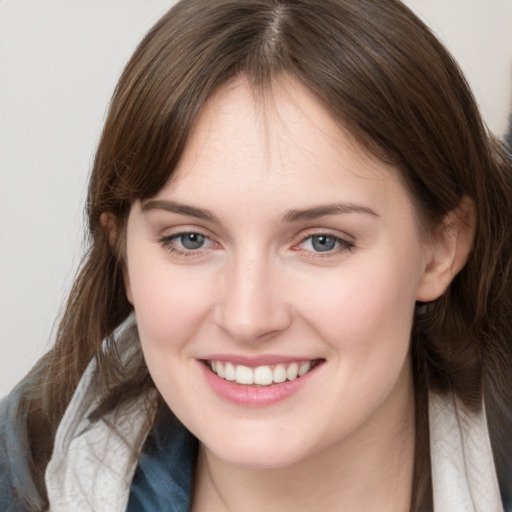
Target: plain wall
59, 61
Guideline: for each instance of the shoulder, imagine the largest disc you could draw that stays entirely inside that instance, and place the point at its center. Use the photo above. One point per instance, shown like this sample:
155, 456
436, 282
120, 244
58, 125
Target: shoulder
6, 478
500, 432
18, 492
503, 458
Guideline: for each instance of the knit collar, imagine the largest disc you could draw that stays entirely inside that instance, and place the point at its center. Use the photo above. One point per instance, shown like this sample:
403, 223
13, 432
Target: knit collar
463, 471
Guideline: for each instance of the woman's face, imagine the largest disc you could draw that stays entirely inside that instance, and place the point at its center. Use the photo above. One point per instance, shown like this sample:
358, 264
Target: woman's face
280, 253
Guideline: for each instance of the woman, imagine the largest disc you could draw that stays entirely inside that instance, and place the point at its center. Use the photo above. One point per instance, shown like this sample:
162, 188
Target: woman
298, 283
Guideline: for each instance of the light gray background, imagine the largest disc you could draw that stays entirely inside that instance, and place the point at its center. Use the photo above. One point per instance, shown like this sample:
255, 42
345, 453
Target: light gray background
59, 61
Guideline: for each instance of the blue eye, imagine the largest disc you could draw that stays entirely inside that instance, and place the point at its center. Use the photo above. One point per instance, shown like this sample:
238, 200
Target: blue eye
187, 243
191, 241
325, 243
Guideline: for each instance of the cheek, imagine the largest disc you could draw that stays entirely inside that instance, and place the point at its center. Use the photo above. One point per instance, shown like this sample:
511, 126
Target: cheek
170, 302
366, 320
368, 308
170, 306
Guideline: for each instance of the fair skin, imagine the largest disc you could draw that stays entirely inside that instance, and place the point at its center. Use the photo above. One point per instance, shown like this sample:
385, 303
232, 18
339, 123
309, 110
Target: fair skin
298, 247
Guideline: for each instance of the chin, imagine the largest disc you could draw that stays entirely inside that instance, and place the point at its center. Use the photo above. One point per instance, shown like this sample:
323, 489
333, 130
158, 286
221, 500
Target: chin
258, 457
272, 448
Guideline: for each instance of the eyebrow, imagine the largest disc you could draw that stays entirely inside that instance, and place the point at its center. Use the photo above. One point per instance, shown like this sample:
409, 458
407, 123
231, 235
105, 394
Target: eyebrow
325, 210
295, 215
175, 207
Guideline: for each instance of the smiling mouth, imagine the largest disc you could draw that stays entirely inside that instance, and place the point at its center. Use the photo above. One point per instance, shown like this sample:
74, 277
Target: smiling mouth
265, 375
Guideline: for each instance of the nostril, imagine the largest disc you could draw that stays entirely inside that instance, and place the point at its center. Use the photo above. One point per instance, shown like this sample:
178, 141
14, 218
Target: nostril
254, 324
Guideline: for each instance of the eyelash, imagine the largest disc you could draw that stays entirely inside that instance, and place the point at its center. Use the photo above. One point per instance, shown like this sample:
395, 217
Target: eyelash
342, 245
167, 243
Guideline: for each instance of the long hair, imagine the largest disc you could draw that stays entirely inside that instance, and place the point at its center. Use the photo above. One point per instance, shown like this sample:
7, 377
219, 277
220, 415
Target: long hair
383, 76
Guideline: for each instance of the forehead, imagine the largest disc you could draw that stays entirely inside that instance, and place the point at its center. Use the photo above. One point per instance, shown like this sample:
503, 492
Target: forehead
284, 143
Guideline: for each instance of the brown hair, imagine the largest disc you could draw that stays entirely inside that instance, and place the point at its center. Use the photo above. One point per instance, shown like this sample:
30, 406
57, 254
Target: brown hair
386, 78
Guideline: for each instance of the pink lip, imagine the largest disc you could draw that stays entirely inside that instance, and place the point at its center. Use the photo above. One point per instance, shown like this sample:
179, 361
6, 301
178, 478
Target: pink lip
255, 396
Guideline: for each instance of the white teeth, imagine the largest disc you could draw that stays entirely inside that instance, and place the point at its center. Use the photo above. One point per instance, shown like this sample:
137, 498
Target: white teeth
229, 371
261, 375
280, 373
304, 368
244, 375
292, 371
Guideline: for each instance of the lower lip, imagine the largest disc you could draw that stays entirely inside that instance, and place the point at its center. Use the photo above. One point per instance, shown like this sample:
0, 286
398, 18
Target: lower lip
255, 396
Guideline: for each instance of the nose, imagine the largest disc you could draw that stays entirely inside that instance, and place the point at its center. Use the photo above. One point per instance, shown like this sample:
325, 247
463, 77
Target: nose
252, 306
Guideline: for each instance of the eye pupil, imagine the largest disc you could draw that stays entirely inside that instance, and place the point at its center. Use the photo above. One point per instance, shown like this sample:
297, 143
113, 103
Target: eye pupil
322, 243
192, 240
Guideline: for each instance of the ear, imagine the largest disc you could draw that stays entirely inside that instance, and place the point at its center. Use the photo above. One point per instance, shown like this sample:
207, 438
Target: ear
109, 223
448, 250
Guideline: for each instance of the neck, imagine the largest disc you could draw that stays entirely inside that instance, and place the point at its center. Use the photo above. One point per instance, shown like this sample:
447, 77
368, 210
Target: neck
371, 470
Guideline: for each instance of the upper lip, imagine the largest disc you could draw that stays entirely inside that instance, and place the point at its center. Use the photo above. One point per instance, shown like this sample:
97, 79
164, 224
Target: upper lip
261, 360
